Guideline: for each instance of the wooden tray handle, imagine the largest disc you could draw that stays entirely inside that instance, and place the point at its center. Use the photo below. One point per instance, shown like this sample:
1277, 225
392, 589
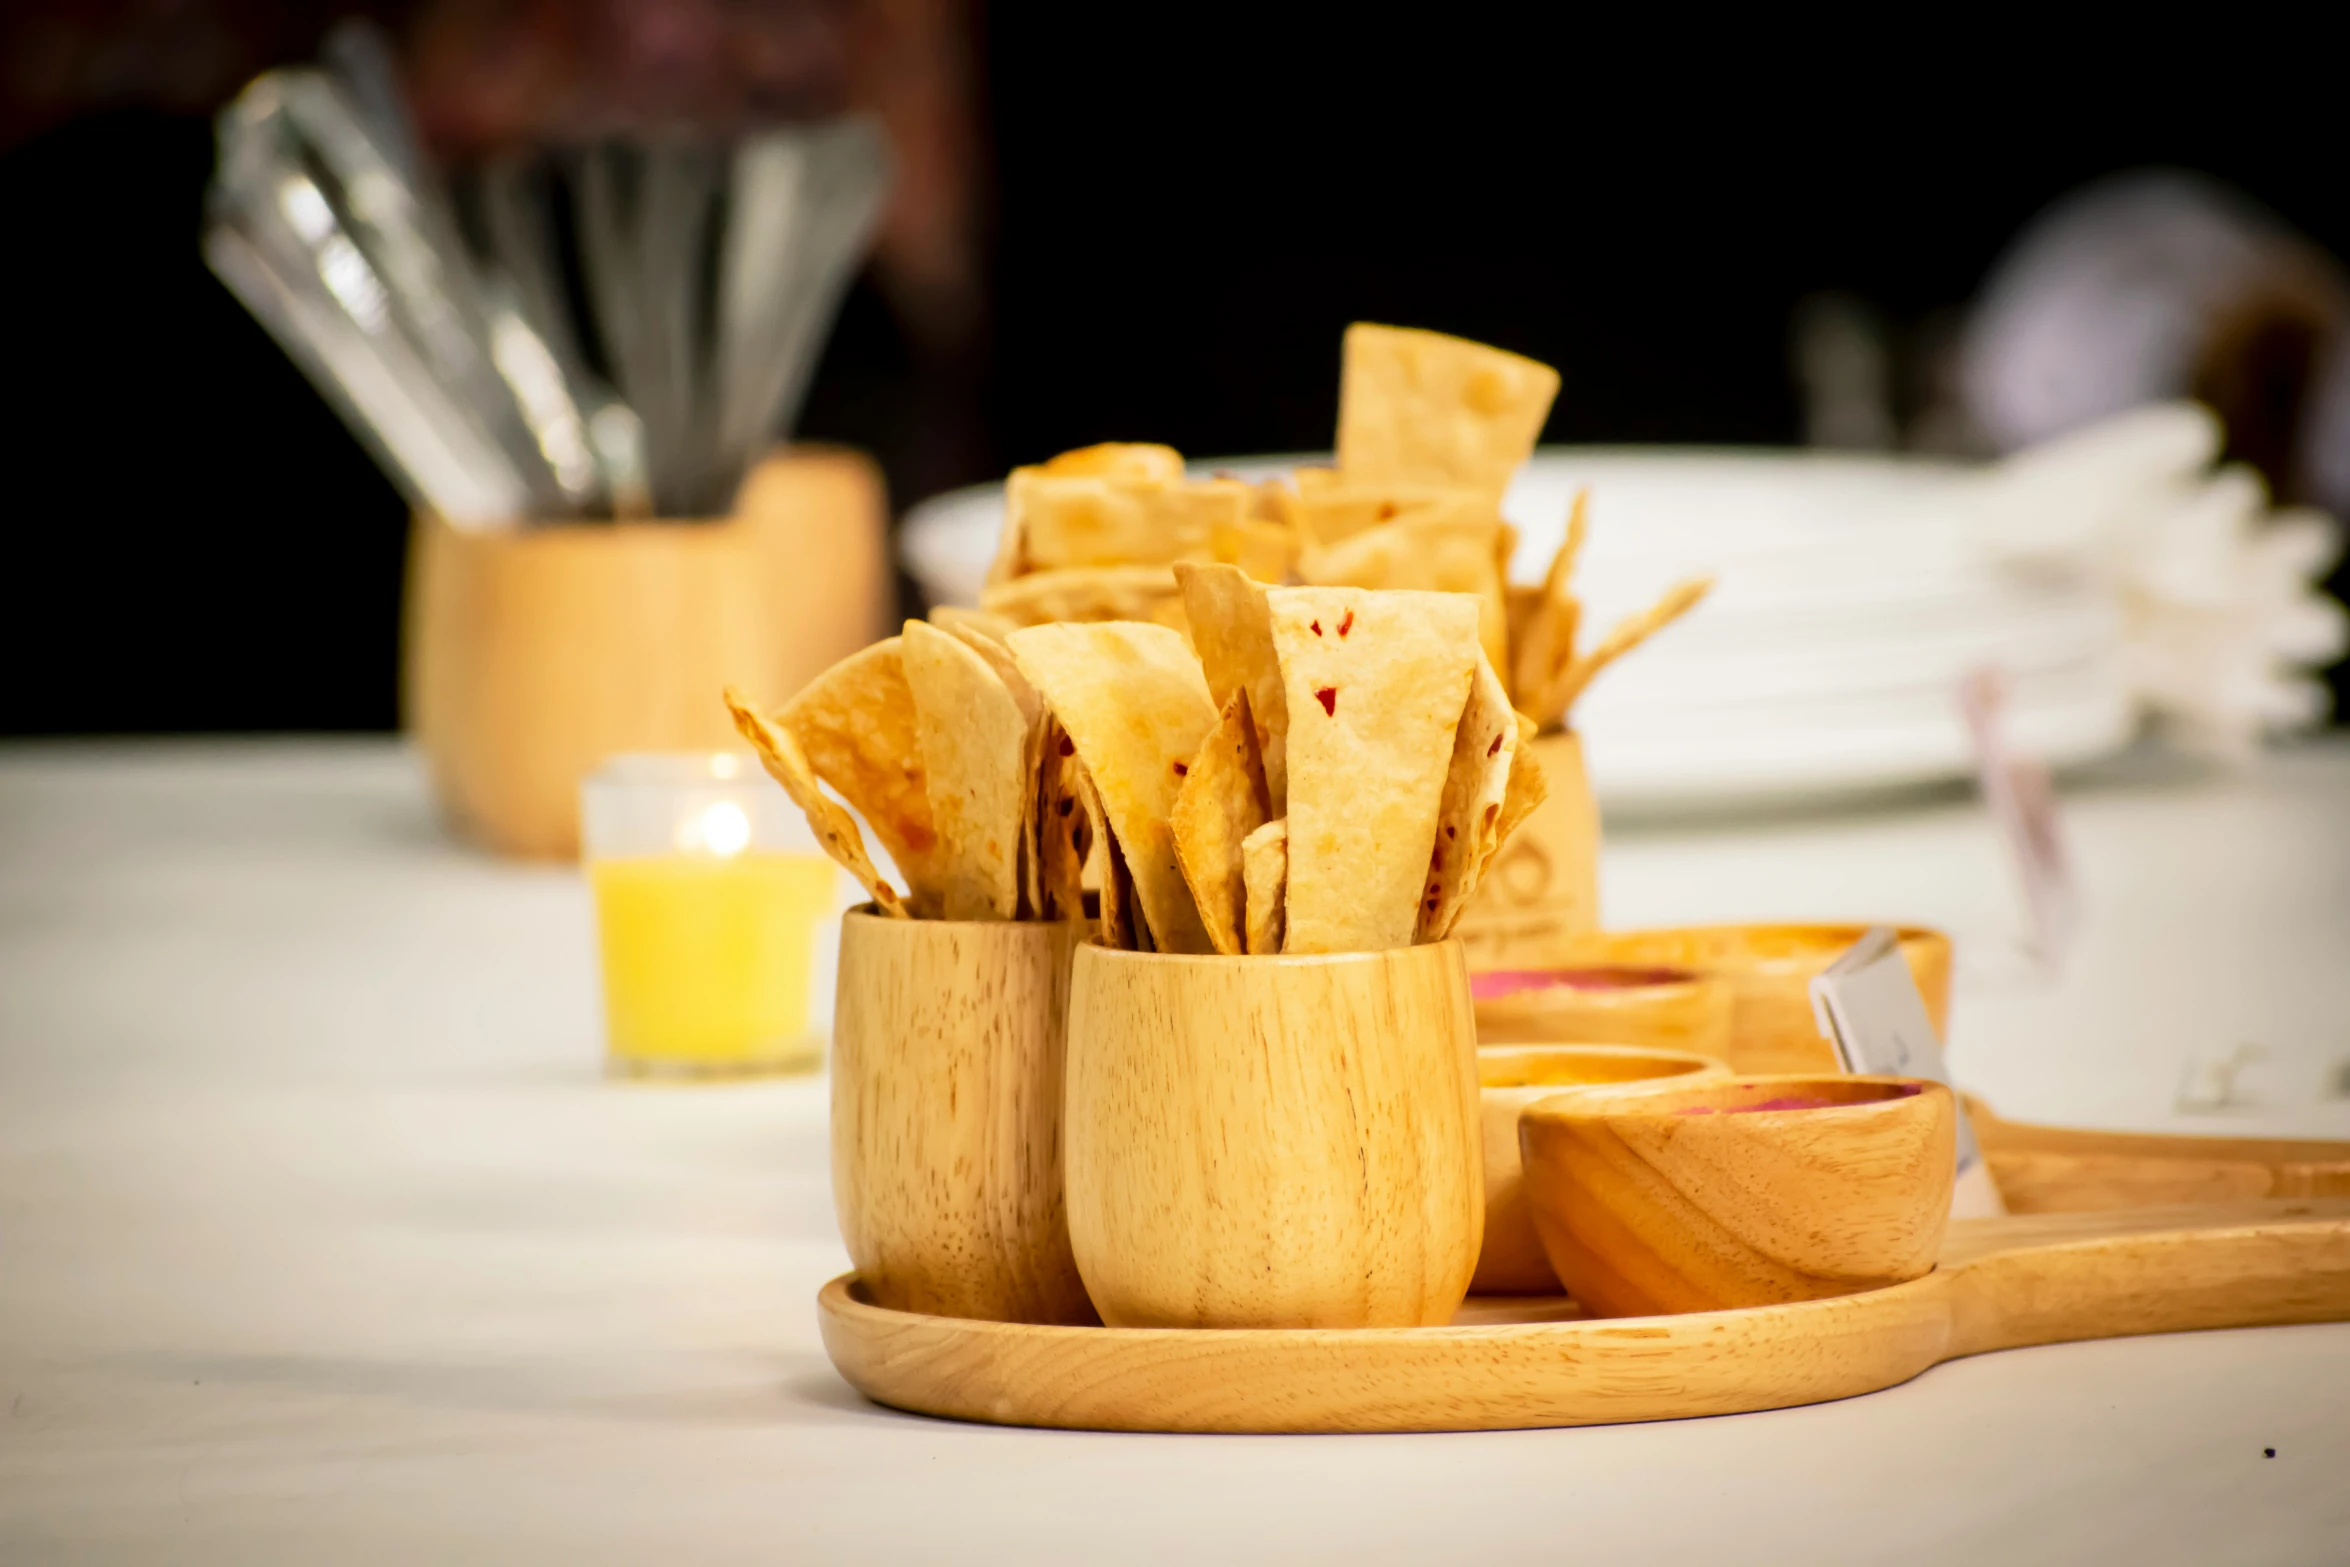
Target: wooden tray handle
2056, 1278
2053, 1169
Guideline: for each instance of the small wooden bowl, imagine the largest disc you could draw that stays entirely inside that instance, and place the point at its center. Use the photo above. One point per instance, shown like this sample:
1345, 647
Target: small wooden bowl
1511, 1077
1274, 1142
1769, 970
1667, 1008
947, 1065
1743, 1191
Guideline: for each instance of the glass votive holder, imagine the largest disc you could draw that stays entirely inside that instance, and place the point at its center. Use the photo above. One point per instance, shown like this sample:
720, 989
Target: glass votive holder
712, 898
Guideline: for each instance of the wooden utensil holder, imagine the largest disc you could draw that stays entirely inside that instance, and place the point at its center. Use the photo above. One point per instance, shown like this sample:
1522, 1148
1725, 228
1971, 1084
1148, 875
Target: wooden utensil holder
531, 654
1542, 890
1274, 1141
947, 1069
1512, 1077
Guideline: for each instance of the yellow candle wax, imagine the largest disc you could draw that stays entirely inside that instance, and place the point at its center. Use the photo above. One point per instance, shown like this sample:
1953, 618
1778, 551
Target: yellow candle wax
707, 960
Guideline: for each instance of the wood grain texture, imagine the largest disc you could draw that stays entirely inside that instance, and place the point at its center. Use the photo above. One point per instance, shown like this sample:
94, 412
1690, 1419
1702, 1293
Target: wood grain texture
2003, 1284
1769, 969
1675, 1197
1665, 1009
1273, 1141
1542, 890
1511, 1077
2054, 1169
947, 1072
531, 655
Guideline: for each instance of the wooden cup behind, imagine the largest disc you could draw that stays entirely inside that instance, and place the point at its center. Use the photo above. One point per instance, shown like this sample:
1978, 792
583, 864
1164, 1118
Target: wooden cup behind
531, 654
1663, 1197
1281, 1142
947, 1070
1662, 1008
1542, 890
1769, 969
1511, 1077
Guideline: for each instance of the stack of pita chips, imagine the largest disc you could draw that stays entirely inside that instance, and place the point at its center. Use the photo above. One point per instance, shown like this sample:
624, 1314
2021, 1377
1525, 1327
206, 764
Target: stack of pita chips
947, 751
1332, 773
1094, 535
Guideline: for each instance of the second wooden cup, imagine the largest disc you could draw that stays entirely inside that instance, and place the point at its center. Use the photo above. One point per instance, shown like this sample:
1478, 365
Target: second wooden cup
1275, 1142
946, 1117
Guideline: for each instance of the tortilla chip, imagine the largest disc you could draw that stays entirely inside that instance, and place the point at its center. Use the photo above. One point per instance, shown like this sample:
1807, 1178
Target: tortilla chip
956, 617
1541, 652
1118, 925
1483, 748
1449, 547
1422, 408
1528, 788
1330, 514
834, 827
976, 770
1622, 638
1066, 521
1137, 710
1221, 802
1082, 593
1129, 462
999, 659
1376, 684
1264, 549
855, 722
1232, 634
1063, 831
1264, 860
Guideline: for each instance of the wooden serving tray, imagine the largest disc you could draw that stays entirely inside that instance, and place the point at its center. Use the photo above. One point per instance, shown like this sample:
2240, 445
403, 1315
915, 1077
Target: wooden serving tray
2039, 1277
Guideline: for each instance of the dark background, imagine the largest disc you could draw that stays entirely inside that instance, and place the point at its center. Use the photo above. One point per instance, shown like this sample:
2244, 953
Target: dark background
1182, 211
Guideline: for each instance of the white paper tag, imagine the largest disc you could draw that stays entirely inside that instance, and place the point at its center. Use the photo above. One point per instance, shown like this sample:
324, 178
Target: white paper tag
2022, 798
1868, 1006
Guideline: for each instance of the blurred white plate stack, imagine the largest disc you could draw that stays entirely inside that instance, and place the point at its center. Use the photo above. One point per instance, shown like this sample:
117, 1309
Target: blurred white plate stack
1854, 593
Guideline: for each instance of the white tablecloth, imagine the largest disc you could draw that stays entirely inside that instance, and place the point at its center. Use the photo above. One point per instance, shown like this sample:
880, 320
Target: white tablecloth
322, 1238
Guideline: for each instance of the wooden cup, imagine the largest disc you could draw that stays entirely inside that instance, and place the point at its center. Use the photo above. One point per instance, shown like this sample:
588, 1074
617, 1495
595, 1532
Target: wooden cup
1279, 1142
1653, 1198
1511, 1077
1542, 890
1769, 970
947, 1067
1669, 1008
531, 654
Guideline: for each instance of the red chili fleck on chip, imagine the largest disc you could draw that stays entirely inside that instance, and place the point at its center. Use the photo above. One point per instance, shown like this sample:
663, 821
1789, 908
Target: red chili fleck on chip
1315, 628
1495, 748
1436, 860
1348, 624
1452, 832
1182, 771
1431, 905
1328, 697
1068, 746
1066, 802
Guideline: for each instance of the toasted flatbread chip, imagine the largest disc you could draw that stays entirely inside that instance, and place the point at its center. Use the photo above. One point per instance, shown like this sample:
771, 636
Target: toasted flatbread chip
1447, 547
1064, 833
1233, 635
1263, 548
834, 827
1422, 408
976, 770
1130, 462
855, 722
1264, 861
1067, 521
1119, 926
1569, 683
1529, 786
1221, 802
1082, 593
953, 617
1375, 685
1133, 702
1484, 746
1541, 650
1329, 514
991, 647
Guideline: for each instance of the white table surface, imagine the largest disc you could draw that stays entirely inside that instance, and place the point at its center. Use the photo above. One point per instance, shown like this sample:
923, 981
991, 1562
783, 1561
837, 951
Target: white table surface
322, 1238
